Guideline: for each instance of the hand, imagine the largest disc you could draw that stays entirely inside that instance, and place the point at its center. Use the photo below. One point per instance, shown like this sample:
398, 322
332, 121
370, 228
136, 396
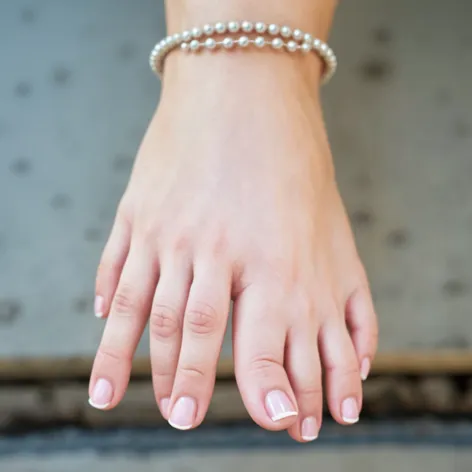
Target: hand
233, 197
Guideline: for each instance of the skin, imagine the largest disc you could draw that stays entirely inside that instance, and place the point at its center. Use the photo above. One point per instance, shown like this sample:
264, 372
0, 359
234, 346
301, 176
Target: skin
233, 196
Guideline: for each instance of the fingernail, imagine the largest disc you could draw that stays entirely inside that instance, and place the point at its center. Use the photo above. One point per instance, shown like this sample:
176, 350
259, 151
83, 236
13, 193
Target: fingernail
279, 406
350, 410
365, 368
309, 429
164, 404
102, 394
98, 306
183, 413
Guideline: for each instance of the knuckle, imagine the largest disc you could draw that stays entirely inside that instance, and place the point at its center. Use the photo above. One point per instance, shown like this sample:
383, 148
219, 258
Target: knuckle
125, 301
164, 321
181, 243
309, 391
219, 245
202, 319
113, 355
191, 372
161, 376
148, 234
263, 365
343, 371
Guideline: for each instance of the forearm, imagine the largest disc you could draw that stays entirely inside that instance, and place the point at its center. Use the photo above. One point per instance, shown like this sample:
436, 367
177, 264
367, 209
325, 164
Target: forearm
313, 16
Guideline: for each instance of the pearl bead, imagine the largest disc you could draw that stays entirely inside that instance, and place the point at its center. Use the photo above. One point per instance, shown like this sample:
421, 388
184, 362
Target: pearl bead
306, 47
247, 26
220, 27
274, 29
243, 41
210, 43
283, 37
233, 26
292, 46
260, 42
208, 29
285, 31
297, 34
196, 32
194, 44
261, 27
228, 43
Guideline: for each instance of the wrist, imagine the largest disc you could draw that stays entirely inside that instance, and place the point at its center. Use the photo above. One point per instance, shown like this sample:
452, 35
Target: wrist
272, 74
267, 68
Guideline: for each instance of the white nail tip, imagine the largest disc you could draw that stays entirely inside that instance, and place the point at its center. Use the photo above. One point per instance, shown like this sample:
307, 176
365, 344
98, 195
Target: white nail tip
98, 407
350, 420
286, 414
309, 438
99, 315
178, 426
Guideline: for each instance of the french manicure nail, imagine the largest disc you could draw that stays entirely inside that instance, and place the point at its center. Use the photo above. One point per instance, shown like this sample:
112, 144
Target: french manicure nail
350, 410
102, 394
365, 368
309, 429
183, 414
98, 306
164, 405
279, 406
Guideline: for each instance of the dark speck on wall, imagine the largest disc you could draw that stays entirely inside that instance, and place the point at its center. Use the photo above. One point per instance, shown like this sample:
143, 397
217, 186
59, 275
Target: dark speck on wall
376, 69
61, 200
461, 128
61, 75
453, 342
455, 287
21, 167
443, 97
382, 35
28, 15
82, 305
364, 181
9, 311
126, 51
398, 238
92, 234
122, 163
362, 218
23, 89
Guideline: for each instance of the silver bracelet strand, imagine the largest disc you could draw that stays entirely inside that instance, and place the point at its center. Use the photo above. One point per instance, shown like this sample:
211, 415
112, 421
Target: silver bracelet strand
243, 34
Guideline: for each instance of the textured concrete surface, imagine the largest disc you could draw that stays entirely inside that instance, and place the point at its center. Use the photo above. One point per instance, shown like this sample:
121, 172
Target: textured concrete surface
362, 459
76, 95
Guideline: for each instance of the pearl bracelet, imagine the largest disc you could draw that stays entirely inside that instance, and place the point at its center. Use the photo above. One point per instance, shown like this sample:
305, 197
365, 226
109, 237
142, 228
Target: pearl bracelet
284, 38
